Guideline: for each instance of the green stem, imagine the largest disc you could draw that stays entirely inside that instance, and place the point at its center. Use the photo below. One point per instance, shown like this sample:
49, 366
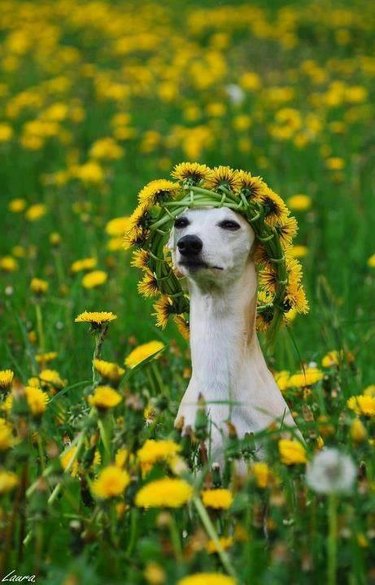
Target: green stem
39, 325
105, 425
213, 535
41, 454
175, 538
332, 540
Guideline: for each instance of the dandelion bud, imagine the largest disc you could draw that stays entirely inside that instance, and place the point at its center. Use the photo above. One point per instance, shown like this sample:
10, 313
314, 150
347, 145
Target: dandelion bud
358, 432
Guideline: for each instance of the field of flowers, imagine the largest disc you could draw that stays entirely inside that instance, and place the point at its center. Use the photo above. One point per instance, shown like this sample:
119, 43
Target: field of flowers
96, 485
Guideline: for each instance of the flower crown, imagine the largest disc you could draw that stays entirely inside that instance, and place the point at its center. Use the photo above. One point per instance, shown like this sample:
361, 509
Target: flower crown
280, 292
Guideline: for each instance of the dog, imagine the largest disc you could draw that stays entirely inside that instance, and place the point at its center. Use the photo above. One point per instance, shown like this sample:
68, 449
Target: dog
213, 248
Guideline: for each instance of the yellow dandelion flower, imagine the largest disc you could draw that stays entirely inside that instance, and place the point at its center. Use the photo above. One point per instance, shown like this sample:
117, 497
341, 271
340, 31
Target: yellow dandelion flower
362, 404
250, 186
167, 492
137, 231
225, 177
335, 358
36, 399
154, 451
163, 309
96, 317
121, 457
307, 377
148, 286
108, 370
154, 574
369, 390
94, 279
111, 483
224, 541
299, 202
55, 239
6, 436
282, 379
143, 352
292, 452
104, 397
8, 481
371, 261
287, 230
44, 358
276, 212
335, 163
295, 298
207, 579
262, 474
182, 326
17, 205
140, 259
118, 226
6, 378
294, 269
268, 279
358, 432
106, 149
156, 191
298, 251
36, 212
52, 377
39, 286
191, 173
8, 264
83, 264
66, 458
219, 499
90, 173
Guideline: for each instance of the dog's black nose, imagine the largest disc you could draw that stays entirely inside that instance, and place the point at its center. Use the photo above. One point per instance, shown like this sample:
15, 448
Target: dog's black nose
190, 245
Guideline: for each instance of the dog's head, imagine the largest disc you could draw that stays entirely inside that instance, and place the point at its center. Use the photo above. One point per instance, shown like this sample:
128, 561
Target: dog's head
211, 244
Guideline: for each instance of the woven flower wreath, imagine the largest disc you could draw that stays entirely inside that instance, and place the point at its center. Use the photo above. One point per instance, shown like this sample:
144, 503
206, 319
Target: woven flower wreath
280, 292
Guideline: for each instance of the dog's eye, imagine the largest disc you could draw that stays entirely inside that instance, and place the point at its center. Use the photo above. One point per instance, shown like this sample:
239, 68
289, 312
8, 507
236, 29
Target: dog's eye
228, 224
181, 222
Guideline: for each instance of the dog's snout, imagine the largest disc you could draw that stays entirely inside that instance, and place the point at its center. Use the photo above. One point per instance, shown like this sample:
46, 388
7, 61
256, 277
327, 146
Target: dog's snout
190, 245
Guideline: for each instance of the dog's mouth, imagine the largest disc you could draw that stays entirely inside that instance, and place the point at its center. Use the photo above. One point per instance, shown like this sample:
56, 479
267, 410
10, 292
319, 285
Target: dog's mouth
198, 264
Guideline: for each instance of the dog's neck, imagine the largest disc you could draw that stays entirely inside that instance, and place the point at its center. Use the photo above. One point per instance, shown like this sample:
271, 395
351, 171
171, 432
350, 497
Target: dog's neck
228, 366
223, 333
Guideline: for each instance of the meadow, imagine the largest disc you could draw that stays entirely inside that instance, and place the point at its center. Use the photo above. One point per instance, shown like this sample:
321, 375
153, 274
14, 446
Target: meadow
97, 98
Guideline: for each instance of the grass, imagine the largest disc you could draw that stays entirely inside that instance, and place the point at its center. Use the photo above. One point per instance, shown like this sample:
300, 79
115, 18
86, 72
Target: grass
157, 79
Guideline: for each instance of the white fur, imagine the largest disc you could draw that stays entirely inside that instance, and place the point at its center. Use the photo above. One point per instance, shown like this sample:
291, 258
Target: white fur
227, 362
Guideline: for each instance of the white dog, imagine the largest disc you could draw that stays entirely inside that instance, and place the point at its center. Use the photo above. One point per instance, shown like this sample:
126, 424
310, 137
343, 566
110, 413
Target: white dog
212, 247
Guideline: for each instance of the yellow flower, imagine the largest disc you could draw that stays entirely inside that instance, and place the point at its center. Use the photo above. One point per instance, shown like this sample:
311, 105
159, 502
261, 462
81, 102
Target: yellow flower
108, 370
163, 309
65, 459
282, 379
83, 264
358, 431
362, 404
298, 251
207, 579
154, 451
262, 473
308, 377
371, 261
143, 352
335, 163
191, 173
94, 279
225, 543
8, 481
220, 499
370, 390
154, 574
90, 173
17, 205
36, 399
55, 239
8, 264
35, 212
39, 286
117, 226
299, 202
121, 457
52, 377
6, 378
223, 176
95, 318
156, 191
6, 437
112, 482
292, 452
104, 397
169, 493
6, 132
106, 149
43, 358
334, 358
